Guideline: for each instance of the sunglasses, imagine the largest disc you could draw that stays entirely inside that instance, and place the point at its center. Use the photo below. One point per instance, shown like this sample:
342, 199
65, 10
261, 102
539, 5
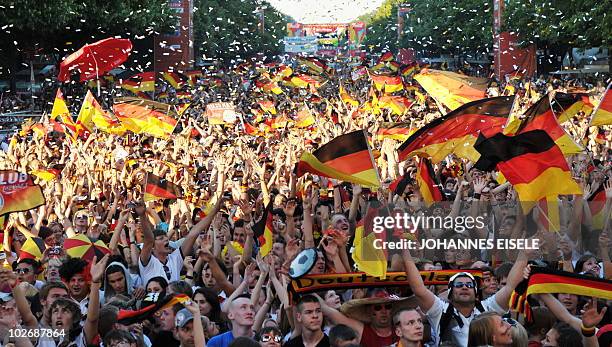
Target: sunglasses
23, 271
510, 321
463, 284
82, 216
268, 338
380, 307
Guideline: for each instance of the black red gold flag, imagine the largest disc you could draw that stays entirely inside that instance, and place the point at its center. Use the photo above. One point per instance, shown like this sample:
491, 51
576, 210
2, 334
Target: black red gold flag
160, 188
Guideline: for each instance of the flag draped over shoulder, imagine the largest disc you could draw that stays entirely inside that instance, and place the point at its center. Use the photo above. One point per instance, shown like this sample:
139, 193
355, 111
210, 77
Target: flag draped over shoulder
547, 281
145, 116
347, 158
18, 192
429, 187
129, 317
160, 188
457, 131
452, 89
263, 231
603, 114
368, 258
541, 116
531, 162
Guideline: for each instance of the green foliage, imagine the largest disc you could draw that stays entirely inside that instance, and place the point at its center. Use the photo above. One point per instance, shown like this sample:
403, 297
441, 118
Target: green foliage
580, 23
434, 26
228, 29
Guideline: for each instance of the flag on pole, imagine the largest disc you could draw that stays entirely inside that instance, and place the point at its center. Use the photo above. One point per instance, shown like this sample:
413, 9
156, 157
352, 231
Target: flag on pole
263, 231
160, 188
603, 113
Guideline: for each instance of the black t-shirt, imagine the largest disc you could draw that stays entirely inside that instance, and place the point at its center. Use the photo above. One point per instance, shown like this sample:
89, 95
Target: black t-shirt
299, 342
165, 339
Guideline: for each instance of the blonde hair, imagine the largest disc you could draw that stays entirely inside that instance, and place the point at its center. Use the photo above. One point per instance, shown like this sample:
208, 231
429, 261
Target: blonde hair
519, 336
482, 330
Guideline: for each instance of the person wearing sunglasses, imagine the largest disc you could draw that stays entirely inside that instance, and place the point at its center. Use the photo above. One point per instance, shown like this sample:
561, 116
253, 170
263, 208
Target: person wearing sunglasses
451, 320
26, 270
270, 337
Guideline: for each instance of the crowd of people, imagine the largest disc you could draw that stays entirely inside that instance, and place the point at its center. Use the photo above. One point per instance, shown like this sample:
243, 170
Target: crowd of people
203, 246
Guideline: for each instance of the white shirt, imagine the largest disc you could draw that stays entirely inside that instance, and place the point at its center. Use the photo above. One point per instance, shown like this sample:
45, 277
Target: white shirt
49, 342
459, 334
155, 267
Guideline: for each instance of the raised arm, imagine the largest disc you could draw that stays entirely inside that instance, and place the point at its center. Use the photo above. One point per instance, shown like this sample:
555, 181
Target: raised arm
147, 235
339, 318
425, 297
203, 225
91, 323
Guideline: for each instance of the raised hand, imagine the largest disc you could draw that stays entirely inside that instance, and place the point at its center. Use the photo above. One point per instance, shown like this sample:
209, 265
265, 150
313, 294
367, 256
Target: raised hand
98, 268
590, 316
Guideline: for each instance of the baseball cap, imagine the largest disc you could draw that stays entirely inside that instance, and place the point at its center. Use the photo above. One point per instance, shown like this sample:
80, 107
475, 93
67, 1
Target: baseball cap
183, 317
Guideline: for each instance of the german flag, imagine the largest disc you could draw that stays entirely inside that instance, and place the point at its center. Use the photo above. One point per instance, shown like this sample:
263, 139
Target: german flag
389, 84
19, 192
45, 174
548, 209
566, 105
531, 162
249, 129
304, 118
145, 116
33, 248
409, 69
368, 258
193, 76
426, 179
540, 116
597, 205
347, 158
457, 131
92, 114
142, 82
59, 107
304, 81
452, 89
267, 106
397, 104
263, 231
548, 281
386, 57
399, 185
129, 317
347, 99
315, 65
160, 188
175, 79
396, 131
603, 114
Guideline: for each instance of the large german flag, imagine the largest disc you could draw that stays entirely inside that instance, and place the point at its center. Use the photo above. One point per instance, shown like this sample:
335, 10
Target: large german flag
347, 158
142, 82
129, 317
263, 231
603, 114
92, 114
531, 162
160, 188
397, 104
548, 281
18, 192
428, 186
452, 89
389, 84
145, 116
540, 116
397, 131
566, 105
457, 131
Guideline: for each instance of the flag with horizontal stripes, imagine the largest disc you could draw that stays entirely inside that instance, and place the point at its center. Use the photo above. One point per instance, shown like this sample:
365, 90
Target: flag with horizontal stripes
544, 280
347, 99
428, 186
397, 104
452, 89
193, 76
597, 205
160, 188
531, 162
567, 105
397, 131
603, 113
368, 258
263, 231
45, 174
267, 106
315, 65
304, 118
158, 303
141, 82
389, 84
92, 114
347, 158
18, 192
385, 57
457, 131
540, 116
409, 69
305, 81
175, 79
142, 116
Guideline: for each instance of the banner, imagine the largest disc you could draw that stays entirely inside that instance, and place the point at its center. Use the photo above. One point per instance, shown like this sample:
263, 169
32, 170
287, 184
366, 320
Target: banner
316, 283
18, 192
303, 44
221, 113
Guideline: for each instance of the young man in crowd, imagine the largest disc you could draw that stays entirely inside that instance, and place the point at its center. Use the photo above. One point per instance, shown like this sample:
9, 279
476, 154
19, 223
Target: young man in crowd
310, 317
241, 313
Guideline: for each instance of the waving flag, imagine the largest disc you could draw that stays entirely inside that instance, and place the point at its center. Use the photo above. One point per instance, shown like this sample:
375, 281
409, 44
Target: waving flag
267, 106
429, 187
396, 131
175, 79
531, 162
389, 84
451, 89
603, 114
263, 231
397, 104
145, 116
566, 105
368, 258
347, 158
160, 188
347, 99
18, 192
92, 114
457, 131
129, 317
304, 118
59, 107
142, 82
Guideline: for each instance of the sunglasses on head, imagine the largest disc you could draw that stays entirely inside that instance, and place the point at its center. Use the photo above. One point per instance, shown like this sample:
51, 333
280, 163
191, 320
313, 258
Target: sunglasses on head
268, 338
380, 307
510, 321
463, 284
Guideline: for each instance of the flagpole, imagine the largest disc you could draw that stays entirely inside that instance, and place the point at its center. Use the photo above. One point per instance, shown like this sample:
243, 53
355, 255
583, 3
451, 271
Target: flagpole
372, 157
